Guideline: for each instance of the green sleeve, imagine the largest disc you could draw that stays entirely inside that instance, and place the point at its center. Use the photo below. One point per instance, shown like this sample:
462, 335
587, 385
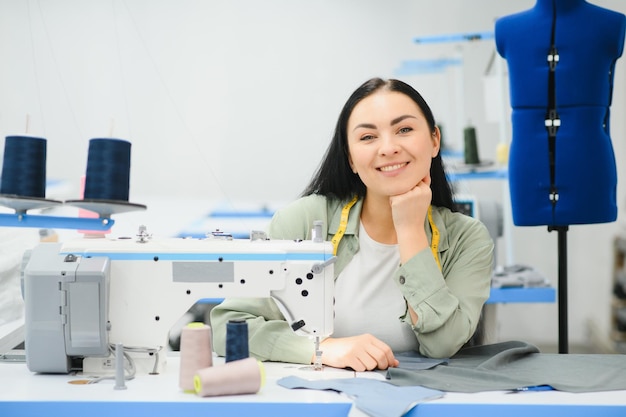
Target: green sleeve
449, 304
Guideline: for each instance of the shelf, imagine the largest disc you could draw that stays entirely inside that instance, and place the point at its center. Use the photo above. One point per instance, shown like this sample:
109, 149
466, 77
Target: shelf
522, 295
455, 37
479, 174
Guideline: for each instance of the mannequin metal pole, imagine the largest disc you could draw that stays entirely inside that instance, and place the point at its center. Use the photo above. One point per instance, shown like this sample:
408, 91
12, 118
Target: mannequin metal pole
562, 291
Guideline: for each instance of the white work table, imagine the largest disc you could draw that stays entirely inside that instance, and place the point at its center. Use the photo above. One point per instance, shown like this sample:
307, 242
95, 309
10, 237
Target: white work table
24, 393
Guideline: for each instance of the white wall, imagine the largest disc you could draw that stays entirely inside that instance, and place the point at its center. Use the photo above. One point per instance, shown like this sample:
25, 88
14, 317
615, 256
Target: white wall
230, 100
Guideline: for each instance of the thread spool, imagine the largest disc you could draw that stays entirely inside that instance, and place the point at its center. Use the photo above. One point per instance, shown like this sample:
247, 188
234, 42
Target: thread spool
107, 180
502, 153
24, 167
236, 340
108, 170
195, 353
244, 376
471, 146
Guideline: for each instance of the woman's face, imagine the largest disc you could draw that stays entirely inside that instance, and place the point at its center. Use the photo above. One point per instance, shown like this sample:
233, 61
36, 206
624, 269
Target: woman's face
390, 144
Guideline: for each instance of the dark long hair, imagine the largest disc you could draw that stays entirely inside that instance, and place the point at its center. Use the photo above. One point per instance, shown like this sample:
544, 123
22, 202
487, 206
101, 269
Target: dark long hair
334, 177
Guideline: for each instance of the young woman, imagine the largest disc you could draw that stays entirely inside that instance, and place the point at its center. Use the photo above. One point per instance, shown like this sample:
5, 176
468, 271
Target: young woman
411, 274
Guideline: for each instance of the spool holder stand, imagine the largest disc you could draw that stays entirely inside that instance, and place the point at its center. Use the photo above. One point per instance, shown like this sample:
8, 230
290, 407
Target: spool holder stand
104, 209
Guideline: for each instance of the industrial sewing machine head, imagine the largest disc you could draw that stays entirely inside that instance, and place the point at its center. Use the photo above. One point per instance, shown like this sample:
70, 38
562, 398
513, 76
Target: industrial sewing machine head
82, 297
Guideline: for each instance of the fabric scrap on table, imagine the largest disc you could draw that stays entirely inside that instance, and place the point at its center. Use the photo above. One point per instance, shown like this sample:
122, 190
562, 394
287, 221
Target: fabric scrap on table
375, 397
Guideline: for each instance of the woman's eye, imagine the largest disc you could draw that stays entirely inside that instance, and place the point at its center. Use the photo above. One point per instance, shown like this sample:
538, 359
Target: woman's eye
367, 137
405, 130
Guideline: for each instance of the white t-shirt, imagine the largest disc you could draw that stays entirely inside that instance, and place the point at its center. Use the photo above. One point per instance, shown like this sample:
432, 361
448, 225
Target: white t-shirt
367, 300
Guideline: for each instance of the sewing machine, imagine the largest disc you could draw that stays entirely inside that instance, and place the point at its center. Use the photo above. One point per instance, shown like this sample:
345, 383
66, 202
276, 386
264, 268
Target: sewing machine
86, 296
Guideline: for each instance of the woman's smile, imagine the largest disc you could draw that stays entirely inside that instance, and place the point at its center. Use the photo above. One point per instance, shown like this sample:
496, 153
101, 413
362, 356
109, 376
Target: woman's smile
394, 167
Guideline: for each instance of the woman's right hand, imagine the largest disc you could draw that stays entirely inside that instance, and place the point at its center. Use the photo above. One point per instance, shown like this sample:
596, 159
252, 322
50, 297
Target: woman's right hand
361, 353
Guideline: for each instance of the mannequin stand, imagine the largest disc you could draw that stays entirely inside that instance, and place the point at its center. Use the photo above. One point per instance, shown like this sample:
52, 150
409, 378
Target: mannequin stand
562, 291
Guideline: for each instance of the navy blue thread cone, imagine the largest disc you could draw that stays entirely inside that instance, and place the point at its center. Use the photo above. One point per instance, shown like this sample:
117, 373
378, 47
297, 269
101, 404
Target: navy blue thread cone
236, 340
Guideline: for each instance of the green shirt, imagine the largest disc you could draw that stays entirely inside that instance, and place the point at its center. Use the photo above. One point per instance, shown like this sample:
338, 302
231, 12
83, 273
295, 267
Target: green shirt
448, 303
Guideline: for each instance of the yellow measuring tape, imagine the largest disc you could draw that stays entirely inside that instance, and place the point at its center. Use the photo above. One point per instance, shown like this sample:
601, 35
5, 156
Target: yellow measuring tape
434, 244
343, 223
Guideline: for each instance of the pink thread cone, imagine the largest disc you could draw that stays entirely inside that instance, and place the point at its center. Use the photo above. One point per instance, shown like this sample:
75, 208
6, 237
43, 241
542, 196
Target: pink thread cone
244, 376
195, 353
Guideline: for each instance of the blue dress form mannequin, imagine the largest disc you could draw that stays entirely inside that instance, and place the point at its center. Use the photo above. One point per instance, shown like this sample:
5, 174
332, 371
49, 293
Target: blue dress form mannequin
569, 178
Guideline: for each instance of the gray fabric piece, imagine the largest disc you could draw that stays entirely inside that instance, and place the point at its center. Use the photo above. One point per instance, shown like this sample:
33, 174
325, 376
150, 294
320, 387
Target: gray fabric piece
514, 365
374, 397
415, 362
